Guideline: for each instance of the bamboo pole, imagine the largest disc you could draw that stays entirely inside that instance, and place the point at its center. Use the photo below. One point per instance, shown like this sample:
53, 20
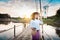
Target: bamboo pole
41, 18
36, 3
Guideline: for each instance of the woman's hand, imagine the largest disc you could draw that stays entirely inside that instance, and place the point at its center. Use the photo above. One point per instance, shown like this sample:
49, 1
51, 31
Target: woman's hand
34, 31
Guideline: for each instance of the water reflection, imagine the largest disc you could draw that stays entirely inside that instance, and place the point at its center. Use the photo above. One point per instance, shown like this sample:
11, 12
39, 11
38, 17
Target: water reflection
49, 32
5, 22
10, 33
58, 32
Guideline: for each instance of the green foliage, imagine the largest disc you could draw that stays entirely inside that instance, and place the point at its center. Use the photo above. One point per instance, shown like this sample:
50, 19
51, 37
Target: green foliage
53, 20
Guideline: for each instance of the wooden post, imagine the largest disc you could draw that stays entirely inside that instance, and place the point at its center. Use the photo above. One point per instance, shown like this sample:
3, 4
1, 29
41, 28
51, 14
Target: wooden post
24, 25
14, 32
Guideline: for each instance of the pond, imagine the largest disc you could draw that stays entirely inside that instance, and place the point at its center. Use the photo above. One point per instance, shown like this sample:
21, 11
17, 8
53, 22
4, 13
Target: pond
10, 33
49, 32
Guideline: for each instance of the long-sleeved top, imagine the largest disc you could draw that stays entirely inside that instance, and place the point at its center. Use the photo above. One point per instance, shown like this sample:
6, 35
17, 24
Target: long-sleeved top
35, 24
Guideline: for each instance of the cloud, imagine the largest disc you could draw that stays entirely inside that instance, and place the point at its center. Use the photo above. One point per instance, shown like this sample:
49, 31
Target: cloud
16, 7
52, 10
19, 7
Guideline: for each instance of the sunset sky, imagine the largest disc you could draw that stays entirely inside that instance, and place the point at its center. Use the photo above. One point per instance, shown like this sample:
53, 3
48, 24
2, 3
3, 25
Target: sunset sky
20, 8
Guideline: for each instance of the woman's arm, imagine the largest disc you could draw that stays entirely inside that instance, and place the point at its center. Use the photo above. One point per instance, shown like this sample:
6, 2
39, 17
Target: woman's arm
41, 22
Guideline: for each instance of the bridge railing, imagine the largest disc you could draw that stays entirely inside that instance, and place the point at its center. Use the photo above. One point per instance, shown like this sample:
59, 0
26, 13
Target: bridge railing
14, 32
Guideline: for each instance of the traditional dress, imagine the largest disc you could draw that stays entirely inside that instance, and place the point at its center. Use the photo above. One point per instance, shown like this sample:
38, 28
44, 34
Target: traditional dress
36, 24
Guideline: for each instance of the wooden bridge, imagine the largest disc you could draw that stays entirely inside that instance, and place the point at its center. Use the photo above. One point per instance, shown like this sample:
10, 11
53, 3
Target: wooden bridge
24, 35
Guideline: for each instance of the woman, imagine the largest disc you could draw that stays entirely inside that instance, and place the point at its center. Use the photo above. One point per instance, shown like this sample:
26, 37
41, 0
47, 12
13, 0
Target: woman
35, 26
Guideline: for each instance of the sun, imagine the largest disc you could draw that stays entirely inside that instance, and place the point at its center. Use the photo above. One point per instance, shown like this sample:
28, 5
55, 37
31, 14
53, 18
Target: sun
25, 11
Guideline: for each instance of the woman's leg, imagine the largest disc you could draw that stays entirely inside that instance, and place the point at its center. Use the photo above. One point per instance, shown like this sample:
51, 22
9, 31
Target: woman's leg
37, 36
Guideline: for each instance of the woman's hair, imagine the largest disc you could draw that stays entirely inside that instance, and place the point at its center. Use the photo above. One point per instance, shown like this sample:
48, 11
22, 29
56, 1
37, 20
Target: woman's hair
33, 15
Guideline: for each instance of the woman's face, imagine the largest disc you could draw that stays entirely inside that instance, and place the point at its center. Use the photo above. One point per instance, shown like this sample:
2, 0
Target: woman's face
36, 16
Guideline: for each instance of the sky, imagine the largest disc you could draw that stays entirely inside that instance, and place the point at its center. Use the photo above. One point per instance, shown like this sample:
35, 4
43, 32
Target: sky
22, 8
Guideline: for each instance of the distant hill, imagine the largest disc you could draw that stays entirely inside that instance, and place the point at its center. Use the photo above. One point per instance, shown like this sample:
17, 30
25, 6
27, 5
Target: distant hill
4, 16
54, 20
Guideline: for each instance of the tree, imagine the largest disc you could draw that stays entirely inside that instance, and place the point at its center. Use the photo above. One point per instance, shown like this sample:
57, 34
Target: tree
58, 13
4, 16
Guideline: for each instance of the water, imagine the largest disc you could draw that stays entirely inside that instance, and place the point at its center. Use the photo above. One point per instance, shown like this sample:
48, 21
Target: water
49, 32
10, 33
